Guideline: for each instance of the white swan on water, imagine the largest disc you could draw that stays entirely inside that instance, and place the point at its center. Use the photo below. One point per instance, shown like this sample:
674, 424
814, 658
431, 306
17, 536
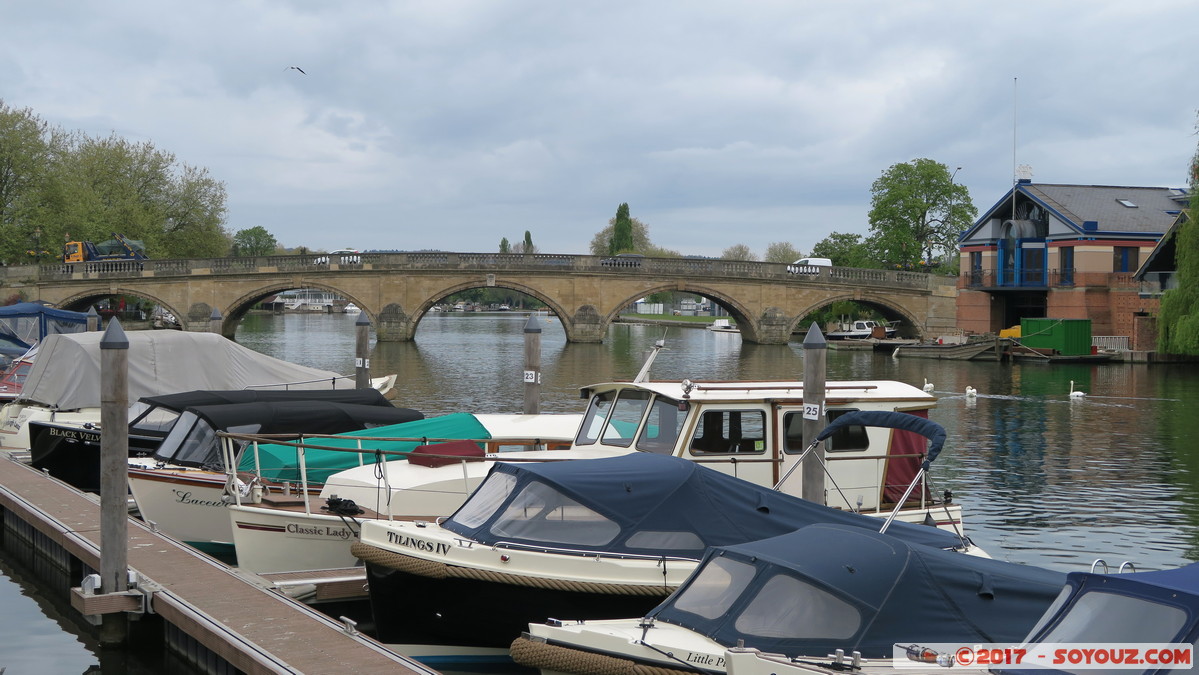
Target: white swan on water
928, 386
971, 391
1075, 393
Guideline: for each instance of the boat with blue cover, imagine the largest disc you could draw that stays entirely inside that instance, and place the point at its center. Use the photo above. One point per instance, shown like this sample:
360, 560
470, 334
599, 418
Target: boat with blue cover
806, 594
600, 538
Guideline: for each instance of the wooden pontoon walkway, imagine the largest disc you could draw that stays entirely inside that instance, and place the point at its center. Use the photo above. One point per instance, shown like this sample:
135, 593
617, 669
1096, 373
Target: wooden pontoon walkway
255, 629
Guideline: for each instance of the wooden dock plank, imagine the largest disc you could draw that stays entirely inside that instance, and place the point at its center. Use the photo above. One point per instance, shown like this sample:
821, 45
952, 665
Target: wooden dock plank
255, 629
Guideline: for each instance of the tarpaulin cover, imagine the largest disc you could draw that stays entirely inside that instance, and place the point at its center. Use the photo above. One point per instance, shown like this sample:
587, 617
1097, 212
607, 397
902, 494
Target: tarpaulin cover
66, 373
188, 399
664, 499
829, 587
280, 462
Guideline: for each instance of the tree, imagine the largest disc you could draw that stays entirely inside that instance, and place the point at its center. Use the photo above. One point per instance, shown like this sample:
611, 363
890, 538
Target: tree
255, 241
917, 212
55, 184
845, 250
781, 252
526, 246
622, 232
505, 247
738, 252
1178, 319
602, 241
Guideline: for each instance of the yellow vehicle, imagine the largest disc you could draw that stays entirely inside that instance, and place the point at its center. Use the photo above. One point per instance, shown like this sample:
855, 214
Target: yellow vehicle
117, 248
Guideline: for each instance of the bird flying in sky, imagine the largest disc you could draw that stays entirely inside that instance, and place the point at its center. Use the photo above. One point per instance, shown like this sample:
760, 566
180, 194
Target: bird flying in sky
296, 68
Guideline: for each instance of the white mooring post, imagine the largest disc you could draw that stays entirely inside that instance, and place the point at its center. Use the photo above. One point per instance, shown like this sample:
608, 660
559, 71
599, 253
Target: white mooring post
532, 374
214, 321
93, 319
815, 357
114, 475
362, 351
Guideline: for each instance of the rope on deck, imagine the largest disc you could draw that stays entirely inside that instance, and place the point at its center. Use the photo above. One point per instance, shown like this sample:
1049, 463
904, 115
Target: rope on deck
439, 570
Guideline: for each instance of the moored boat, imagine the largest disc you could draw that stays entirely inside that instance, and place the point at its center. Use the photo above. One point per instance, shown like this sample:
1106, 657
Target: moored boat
807, 594
72, 453
593, 539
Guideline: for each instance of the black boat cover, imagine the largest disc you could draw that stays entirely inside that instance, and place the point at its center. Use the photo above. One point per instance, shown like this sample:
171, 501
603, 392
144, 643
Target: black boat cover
189, 399
193, 440
827, 587
645, 504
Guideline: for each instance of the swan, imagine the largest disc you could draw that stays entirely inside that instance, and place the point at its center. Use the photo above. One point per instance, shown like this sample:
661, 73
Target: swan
1075, 393
971, 391
928, 386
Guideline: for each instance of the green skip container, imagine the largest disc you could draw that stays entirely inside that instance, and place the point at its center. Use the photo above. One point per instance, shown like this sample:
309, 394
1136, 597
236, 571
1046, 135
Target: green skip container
1069, 337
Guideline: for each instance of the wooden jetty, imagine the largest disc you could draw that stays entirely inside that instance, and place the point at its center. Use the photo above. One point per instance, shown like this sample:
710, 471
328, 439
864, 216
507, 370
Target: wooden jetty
228, 615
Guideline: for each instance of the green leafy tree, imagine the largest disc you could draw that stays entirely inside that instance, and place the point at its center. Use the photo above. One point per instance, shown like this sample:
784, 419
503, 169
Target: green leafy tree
738, 252
254, 241
57, 186
917, 212
527, 245
845, 250
602, 241
1178, 319
781, 252
622, 232
505, 247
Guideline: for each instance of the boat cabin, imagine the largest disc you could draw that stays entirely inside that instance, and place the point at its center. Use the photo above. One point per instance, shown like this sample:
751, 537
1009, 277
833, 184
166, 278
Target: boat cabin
754, 430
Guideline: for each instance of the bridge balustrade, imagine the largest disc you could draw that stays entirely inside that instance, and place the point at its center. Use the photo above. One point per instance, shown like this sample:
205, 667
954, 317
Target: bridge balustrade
445, 260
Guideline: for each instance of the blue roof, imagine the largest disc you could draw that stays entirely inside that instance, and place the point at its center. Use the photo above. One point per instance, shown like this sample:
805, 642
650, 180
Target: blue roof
681, 502
25, 323
828, 587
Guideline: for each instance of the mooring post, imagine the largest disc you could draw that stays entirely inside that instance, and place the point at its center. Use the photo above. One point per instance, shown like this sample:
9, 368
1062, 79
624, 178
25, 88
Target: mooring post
114, 475
215, 321
815, 358
532, 366
93, 319
362, 351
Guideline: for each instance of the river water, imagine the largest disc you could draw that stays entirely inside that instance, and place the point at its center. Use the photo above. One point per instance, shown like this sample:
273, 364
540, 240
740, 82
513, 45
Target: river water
1043, 479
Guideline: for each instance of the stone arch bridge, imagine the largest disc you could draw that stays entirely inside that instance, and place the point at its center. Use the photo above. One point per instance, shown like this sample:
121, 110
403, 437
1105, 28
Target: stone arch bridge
587, 293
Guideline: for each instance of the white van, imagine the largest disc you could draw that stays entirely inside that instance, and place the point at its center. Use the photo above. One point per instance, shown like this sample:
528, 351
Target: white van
808, 265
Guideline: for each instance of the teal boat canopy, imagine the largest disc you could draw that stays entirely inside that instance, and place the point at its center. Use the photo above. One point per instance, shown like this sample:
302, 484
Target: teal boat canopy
281, 462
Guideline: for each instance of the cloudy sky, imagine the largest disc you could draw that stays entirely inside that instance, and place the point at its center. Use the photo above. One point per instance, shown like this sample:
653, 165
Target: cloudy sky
450, 124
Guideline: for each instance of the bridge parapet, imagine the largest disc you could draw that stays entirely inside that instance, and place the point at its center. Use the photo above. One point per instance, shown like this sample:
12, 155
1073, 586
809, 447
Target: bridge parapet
444, 260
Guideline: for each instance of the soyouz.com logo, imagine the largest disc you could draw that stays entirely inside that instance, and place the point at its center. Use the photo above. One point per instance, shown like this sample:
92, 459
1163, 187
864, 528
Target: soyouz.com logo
1061, 656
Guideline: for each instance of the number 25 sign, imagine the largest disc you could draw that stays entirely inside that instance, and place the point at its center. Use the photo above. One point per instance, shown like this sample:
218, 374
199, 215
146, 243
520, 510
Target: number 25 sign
811, 411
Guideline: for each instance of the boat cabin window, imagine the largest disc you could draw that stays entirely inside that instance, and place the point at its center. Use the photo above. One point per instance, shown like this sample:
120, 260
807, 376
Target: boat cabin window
151, 420
712, 591
625, 418
666, 541
193, 442
542, 513
1099, 616
852, 438
485, 500
662, 427
788, 608
727, 431
594, 418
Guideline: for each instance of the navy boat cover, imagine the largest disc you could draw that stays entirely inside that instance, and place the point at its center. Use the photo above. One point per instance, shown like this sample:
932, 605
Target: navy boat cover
829, 587
1159, 607
644, 504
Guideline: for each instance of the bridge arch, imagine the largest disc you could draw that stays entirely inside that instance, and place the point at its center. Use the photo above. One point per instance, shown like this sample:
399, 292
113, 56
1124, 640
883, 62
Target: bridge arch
397, 324
746, 322
80, 302
891, 311
238, 308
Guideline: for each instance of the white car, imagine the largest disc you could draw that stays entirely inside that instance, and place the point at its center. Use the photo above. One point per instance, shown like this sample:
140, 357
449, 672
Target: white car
346, 256
808, 265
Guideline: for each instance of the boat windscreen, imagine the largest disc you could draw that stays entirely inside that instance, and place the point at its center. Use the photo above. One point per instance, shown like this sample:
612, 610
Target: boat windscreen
594, 418
625, 418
